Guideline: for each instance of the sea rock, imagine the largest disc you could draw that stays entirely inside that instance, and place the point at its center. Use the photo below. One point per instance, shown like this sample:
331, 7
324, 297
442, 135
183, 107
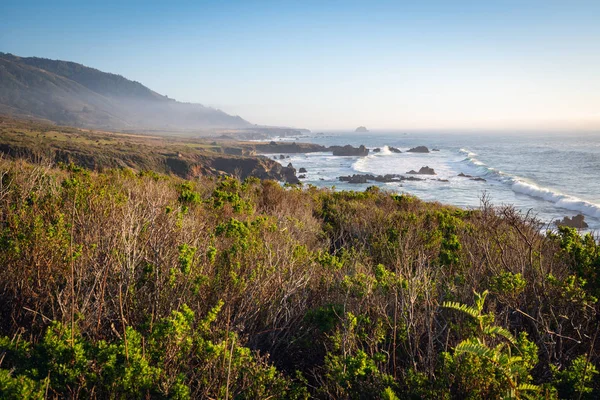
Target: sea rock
289, 174
577, 221
292, 179
302, 170
411, 178
435, 149
272, 143
377, 150
354, 178
348, 150
394, 149
281, 157
423, 171
361, 129
419, 149
471, 177
302, 176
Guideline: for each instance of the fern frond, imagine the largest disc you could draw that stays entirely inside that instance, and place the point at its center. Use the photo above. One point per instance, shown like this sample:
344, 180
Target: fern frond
475, 348
473, 312
500, 331
528, 387
480, 300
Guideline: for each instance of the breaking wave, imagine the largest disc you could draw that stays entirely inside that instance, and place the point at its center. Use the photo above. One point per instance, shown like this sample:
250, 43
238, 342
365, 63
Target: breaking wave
522, 186
360, 165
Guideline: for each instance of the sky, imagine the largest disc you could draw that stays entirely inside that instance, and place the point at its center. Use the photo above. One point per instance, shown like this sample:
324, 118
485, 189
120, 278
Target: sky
338, 64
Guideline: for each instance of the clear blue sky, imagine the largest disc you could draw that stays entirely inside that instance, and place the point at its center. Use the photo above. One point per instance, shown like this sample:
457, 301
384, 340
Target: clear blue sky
338, 64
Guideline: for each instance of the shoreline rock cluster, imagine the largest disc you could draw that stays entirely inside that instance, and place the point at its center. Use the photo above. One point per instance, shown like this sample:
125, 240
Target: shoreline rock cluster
423, 171
349, 150
576, 221
418, 149
471, 177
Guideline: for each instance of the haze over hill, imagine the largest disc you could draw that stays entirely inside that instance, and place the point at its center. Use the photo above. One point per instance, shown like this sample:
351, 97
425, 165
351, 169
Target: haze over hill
72, 94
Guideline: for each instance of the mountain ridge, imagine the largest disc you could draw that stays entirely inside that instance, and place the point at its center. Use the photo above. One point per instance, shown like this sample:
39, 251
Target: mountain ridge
69, 93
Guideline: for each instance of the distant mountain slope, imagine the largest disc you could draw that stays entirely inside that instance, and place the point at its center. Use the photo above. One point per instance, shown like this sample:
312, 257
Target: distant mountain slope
73, 94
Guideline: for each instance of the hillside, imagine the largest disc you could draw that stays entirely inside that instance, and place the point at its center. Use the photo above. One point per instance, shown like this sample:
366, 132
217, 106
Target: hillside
99, 150
73, 94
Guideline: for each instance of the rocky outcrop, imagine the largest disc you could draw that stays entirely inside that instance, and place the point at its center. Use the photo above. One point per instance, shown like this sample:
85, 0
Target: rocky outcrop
354, 178
361, 129
289, 174
577, 221
419, 149
377, 150
302, 170
348, 150
471, 177
423, 171
394, 149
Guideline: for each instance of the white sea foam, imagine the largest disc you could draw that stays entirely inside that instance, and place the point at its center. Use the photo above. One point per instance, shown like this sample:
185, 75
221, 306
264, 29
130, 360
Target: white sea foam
361, 165
521, 185
385, 151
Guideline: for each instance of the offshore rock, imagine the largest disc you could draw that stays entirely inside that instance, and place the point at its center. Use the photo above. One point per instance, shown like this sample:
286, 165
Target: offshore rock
419, 149
348, 150
423, 171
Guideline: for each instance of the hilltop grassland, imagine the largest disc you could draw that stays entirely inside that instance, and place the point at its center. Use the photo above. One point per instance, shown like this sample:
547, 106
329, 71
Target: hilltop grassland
99, 150
125, 284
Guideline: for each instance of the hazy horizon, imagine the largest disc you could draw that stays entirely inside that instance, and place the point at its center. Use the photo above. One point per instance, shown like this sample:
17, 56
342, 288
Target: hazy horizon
384, 65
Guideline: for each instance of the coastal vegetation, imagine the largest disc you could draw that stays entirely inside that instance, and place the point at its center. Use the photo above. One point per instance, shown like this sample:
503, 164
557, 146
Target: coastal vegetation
133, 281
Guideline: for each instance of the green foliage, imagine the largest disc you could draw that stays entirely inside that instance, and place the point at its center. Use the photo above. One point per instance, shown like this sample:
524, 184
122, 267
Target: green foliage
509, 361
186, 258
349, 371
188, 195
574, 382
137, 365
20, 387
229, 191
508, 284
584, 254
325, 318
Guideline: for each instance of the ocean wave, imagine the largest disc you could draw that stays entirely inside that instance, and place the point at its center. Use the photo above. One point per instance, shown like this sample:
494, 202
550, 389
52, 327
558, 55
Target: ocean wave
559, 199
360, 165
385, 151
522, 186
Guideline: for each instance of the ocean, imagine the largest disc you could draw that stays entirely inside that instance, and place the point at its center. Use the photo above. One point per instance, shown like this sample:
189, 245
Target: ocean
551, 175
